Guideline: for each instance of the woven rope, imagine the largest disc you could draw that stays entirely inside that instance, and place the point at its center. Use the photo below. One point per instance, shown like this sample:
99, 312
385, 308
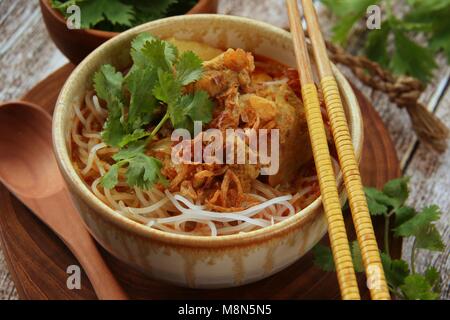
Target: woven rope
403, 91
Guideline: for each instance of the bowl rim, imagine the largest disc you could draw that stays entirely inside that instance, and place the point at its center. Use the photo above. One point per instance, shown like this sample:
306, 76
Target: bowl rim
77, 185
109, 34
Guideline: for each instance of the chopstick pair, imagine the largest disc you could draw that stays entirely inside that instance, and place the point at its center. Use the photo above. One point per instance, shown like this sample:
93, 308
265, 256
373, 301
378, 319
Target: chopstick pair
349, 166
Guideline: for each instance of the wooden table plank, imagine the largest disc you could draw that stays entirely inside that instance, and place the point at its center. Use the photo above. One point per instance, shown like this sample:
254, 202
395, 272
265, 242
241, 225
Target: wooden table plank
430, 184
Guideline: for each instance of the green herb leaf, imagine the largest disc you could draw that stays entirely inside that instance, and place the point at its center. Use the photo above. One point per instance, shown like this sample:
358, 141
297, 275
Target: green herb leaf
108, 84
377, 201
111, 178
137, 135
415, 225
397, 191
144, 171
433, 278
416, 287
96, 11
411, 58
395, 270
348, 12
403, 214
197, 106
168, 89
421, 226
356, 257
377, 44
140, 83
189, 68
160, 54
323, 258
113, 129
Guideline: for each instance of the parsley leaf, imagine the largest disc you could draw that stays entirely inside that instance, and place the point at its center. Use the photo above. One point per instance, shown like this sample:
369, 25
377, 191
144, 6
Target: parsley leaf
111, 178
108, 83
411, 59
377, 43
142, 101
348, 12
113, 129
119, 15
160, 53
397, 191
154, 82
395, 270
416, 287
422, 228
323, 258
144, 171
189, 68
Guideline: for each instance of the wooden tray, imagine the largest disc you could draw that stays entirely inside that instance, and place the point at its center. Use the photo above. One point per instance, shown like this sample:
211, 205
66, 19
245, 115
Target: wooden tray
38, 260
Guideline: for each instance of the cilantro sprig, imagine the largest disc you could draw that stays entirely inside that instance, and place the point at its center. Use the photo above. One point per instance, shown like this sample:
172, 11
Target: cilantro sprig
149, 95
394, 45
403, 280
119, 15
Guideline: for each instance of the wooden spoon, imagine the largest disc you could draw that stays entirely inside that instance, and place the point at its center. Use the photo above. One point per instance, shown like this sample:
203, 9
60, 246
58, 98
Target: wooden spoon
28, 168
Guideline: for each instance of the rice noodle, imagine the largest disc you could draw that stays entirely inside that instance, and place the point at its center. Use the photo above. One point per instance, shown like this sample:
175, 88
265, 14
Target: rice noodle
174, 212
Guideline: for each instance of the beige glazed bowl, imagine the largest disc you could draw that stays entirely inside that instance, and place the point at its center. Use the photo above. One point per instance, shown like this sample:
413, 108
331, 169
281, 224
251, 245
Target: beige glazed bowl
200, 262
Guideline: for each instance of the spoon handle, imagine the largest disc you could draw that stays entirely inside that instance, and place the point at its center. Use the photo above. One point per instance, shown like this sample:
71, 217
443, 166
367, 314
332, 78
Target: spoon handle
103, 281
59, 213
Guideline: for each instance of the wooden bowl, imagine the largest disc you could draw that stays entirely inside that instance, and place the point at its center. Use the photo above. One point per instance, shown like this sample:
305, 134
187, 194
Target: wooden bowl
77, 44
195, 261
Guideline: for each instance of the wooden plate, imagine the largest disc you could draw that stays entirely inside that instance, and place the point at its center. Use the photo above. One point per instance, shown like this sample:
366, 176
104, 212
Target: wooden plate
38, 260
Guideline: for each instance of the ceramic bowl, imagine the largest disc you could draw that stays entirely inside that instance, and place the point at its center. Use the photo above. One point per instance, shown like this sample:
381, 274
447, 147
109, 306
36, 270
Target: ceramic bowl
194, 261
77, 44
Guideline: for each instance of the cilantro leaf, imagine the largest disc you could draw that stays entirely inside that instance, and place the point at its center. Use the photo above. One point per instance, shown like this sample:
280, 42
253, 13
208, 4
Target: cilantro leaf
414, 225
416, 287
197, 106
377, 201
421, 227
138, 43
96, 11
403, 214
140, 82
356, 257
323, 258
395, 270
348, 12
108, 83
113, 129
131, 151
133, 137
160, 53
411, 59
144, 171
397, 190
189, 68
377, 43
111, 178
433, 278
168, 89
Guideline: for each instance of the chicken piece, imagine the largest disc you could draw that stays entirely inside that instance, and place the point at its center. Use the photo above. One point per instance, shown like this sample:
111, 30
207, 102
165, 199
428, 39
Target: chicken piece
295, 148
263, 108
233, 68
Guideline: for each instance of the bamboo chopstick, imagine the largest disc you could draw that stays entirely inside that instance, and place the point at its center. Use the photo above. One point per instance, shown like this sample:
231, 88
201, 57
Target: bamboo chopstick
327, 180
349, 166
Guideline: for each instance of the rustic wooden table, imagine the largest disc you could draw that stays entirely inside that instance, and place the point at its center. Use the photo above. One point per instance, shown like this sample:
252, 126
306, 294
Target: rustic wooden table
27, 55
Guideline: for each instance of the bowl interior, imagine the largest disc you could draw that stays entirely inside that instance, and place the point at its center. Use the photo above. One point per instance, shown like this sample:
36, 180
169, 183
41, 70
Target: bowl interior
216, 30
